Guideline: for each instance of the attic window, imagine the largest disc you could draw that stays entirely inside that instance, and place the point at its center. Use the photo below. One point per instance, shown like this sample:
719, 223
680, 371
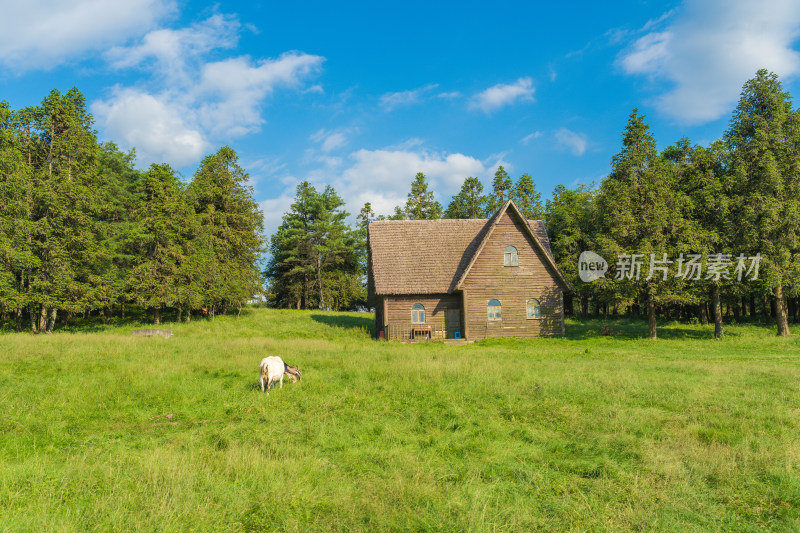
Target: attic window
534, 309
493, 310
417, 314
510, 256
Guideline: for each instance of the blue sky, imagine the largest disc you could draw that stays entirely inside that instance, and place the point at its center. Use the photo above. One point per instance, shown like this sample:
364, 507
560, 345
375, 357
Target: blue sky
363, 95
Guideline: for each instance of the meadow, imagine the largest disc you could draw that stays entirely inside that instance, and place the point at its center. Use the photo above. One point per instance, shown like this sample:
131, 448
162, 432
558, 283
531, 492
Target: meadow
102, 431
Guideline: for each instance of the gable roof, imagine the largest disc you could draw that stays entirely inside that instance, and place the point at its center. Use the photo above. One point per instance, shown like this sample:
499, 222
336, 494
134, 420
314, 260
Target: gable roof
432, 256
511, 208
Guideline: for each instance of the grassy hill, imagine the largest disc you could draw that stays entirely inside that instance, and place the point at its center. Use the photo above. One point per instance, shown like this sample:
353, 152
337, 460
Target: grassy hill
103, 431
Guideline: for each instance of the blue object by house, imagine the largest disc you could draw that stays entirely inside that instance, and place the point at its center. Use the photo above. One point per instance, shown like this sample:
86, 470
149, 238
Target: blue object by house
457, 335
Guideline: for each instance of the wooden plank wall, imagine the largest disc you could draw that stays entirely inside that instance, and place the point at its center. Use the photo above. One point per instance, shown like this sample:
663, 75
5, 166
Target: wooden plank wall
513, 286
398, 313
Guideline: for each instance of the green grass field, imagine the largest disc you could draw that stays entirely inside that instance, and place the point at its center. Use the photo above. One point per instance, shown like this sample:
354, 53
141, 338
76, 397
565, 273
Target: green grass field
585, 433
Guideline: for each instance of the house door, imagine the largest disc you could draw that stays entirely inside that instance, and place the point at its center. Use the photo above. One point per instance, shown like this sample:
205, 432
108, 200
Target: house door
452, 323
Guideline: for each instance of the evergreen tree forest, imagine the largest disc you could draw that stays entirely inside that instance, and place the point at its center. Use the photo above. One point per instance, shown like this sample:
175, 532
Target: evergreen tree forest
722, 205
83, 231
316, 260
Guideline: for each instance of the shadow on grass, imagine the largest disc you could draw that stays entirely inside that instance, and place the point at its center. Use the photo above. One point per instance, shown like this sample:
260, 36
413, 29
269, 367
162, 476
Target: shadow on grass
346, 321
630, 328
136, 318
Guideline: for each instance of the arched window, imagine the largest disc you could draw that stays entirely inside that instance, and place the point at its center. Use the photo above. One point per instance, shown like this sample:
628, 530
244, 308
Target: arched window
493, 310
417, 314
510, 256
534, 309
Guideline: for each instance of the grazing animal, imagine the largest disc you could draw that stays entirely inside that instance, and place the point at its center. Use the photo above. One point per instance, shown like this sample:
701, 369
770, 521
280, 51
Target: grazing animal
273, 368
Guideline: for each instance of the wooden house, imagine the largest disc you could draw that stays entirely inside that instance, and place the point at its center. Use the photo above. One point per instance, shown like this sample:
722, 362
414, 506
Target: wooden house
468, 279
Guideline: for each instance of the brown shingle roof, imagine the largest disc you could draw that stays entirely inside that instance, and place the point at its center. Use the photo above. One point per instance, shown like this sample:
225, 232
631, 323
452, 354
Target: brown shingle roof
428, 256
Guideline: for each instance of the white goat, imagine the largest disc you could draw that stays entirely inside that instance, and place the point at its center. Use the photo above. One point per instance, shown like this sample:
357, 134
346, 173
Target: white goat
273, 368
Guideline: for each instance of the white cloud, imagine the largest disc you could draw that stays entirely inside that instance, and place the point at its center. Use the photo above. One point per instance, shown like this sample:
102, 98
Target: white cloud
502, 95
576, 143
41, 34
390, 101
498, 160
231, 91
265, 166
530, 137
274, 209
154, 125
190, 101
383, 177
174, 51
709, 48
330, 140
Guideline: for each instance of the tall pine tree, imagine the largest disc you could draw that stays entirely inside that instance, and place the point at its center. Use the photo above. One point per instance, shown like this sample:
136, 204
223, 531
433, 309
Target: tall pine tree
501, 191
231, 227
570, 227
420, 204
764, 144
162, 217
639, 214
527, 198
469, 202
316, 260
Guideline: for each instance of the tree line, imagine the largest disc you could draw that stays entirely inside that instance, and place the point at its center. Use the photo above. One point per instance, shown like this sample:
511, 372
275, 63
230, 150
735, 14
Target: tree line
82, 230
738, 197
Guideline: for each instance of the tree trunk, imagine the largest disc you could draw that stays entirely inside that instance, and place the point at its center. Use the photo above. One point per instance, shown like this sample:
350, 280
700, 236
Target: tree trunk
737, 315
122, 310
701, 314
180, 310
651, 319
780, 312
157, 316
319, 282
718, 332
584, 306
18, 320
188, 315
797, 310
752, 306
51, 320
305, 291
34, 319
43, 319
765, 306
